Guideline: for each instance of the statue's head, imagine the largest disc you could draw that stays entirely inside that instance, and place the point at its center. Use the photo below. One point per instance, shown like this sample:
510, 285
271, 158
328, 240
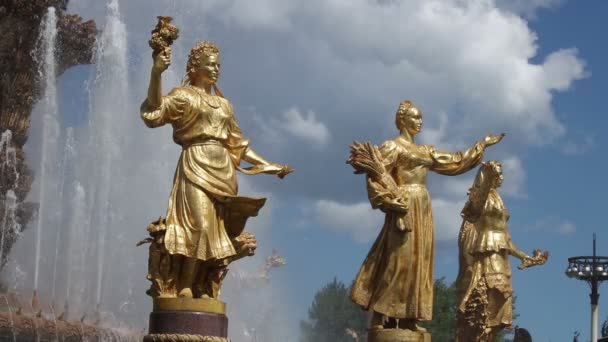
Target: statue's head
203, 63
408, 117
490, 171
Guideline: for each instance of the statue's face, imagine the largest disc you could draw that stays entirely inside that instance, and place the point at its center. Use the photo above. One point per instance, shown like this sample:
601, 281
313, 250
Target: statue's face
209, 69
499, 178
412, 121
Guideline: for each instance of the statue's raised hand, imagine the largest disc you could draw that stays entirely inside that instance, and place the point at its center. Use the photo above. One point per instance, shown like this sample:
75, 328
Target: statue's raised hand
285, 170
492, 139
162, 60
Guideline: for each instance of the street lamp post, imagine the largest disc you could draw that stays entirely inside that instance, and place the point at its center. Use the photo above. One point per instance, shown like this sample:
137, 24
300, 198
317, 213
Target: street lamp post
593, 270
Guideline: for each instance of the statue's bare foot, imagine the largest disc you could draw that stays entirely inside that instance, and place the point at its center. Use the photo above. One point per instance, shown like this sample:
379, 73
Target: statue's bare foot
186, 292
420, 329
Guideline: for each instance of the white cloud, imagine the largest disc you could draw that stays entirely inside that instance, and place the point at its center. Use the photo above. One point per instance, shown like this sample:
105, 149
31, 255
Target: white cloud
268, 14
359, 220
469, 59
292, 123
446, 215
561, 67
457, 187
436, 135
515, 177
305, 126
364, 224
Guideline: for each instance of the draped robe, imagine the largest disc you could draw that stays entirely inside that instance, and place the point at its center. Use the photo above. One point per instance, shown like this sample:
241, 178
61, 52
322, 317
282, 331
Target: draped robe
204, 211
396, 278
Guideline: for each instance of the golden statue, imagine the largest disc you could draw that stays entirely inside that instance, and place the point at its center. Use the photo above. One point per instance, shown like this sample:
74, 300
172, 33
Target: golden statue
395, 281
203, 228
485, 295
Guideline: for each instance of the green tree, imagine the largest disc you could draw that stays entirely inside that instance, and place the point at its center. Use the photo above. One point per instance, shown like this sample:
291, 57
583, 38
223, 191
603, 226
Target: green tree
331, 313
443, 325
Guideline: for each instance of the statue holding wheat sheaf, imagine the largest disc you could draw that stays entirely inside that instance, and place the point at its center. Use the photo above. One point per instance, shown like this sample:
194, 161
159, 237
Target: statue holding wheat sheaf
395, 281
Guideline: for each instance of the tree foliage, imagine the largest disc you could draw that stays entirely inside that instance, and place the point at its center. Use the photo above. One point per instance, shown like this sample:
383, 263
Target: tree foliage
332, 312
443, 325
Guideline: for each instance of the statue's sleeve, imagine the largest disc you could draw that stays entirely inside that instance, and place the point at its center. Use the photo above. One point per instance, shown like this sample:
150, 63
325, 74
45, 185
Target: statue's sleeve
455, 163
172, 108
236, 144
376, 193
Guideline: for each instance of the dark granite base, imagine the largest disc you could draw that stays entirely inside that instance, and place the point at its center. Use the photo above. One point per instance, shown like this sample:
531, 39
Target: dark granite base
188, 322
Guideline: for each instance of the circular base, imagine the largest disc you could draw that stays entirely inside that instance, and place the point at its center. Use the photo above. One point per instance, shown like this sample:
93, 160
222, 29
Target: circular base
182, 338
188, 322
397, 335
189, 304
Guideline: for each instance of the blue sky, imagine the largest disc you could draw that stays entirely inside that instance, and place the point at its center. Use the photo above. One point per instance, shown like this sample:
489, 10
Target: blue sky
308, 79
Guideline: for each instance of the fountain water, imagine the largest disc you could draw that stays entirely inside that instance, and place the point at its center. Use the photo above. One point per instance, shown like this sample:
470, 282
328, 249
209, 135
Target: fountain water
78, 237
107, 116
10, 228
61, 240
75, 267
96, 200
50, 133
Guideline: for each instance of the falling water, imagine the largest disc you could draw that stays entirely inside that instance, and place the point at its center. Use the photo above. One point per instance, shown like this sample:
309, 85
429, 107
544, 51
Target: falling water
50, 130
76, 251
9, 227
107, 119
66, 166
8, 167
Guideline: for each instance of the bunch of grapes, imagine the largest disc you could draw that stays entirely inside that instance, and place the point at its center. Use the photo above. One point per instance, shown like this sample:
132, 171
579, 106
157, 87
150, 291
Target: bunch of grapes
163, 34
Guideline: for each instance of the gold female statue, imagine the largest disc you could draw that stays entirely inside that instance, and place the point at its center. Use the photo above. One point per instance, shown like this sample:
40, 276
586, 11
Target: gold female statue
396, 278
203, 228
484, 287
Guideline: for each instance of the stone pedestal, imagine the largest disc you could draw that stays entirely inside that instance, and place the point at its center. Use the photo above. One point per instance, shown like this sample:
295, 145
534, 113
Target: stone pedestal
397, 335
188, 320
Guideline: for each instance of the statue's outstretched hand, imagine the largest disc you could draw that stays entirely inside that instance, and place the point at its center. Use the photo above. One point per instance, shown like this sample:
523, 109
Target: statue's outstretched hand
537, 258
162, 60
285, 170
492, 139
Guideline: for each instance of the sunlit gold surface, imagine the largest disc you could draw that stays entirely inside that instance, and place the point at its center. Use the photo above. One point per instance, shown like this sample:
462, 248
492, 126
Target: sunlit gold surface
203, 229
397, 335
485, 294
396, 278
189, 304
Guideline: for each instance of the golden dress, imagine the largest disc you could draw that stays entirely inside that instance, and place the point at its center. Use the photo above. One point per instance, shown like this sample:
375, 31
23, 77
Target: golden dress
204, 211
485, 270
396, 278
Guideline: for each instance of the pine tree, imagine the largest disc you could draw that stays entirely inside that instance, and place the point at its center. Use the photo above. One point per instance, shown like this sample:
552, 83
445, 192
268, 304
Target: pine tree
331, 313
